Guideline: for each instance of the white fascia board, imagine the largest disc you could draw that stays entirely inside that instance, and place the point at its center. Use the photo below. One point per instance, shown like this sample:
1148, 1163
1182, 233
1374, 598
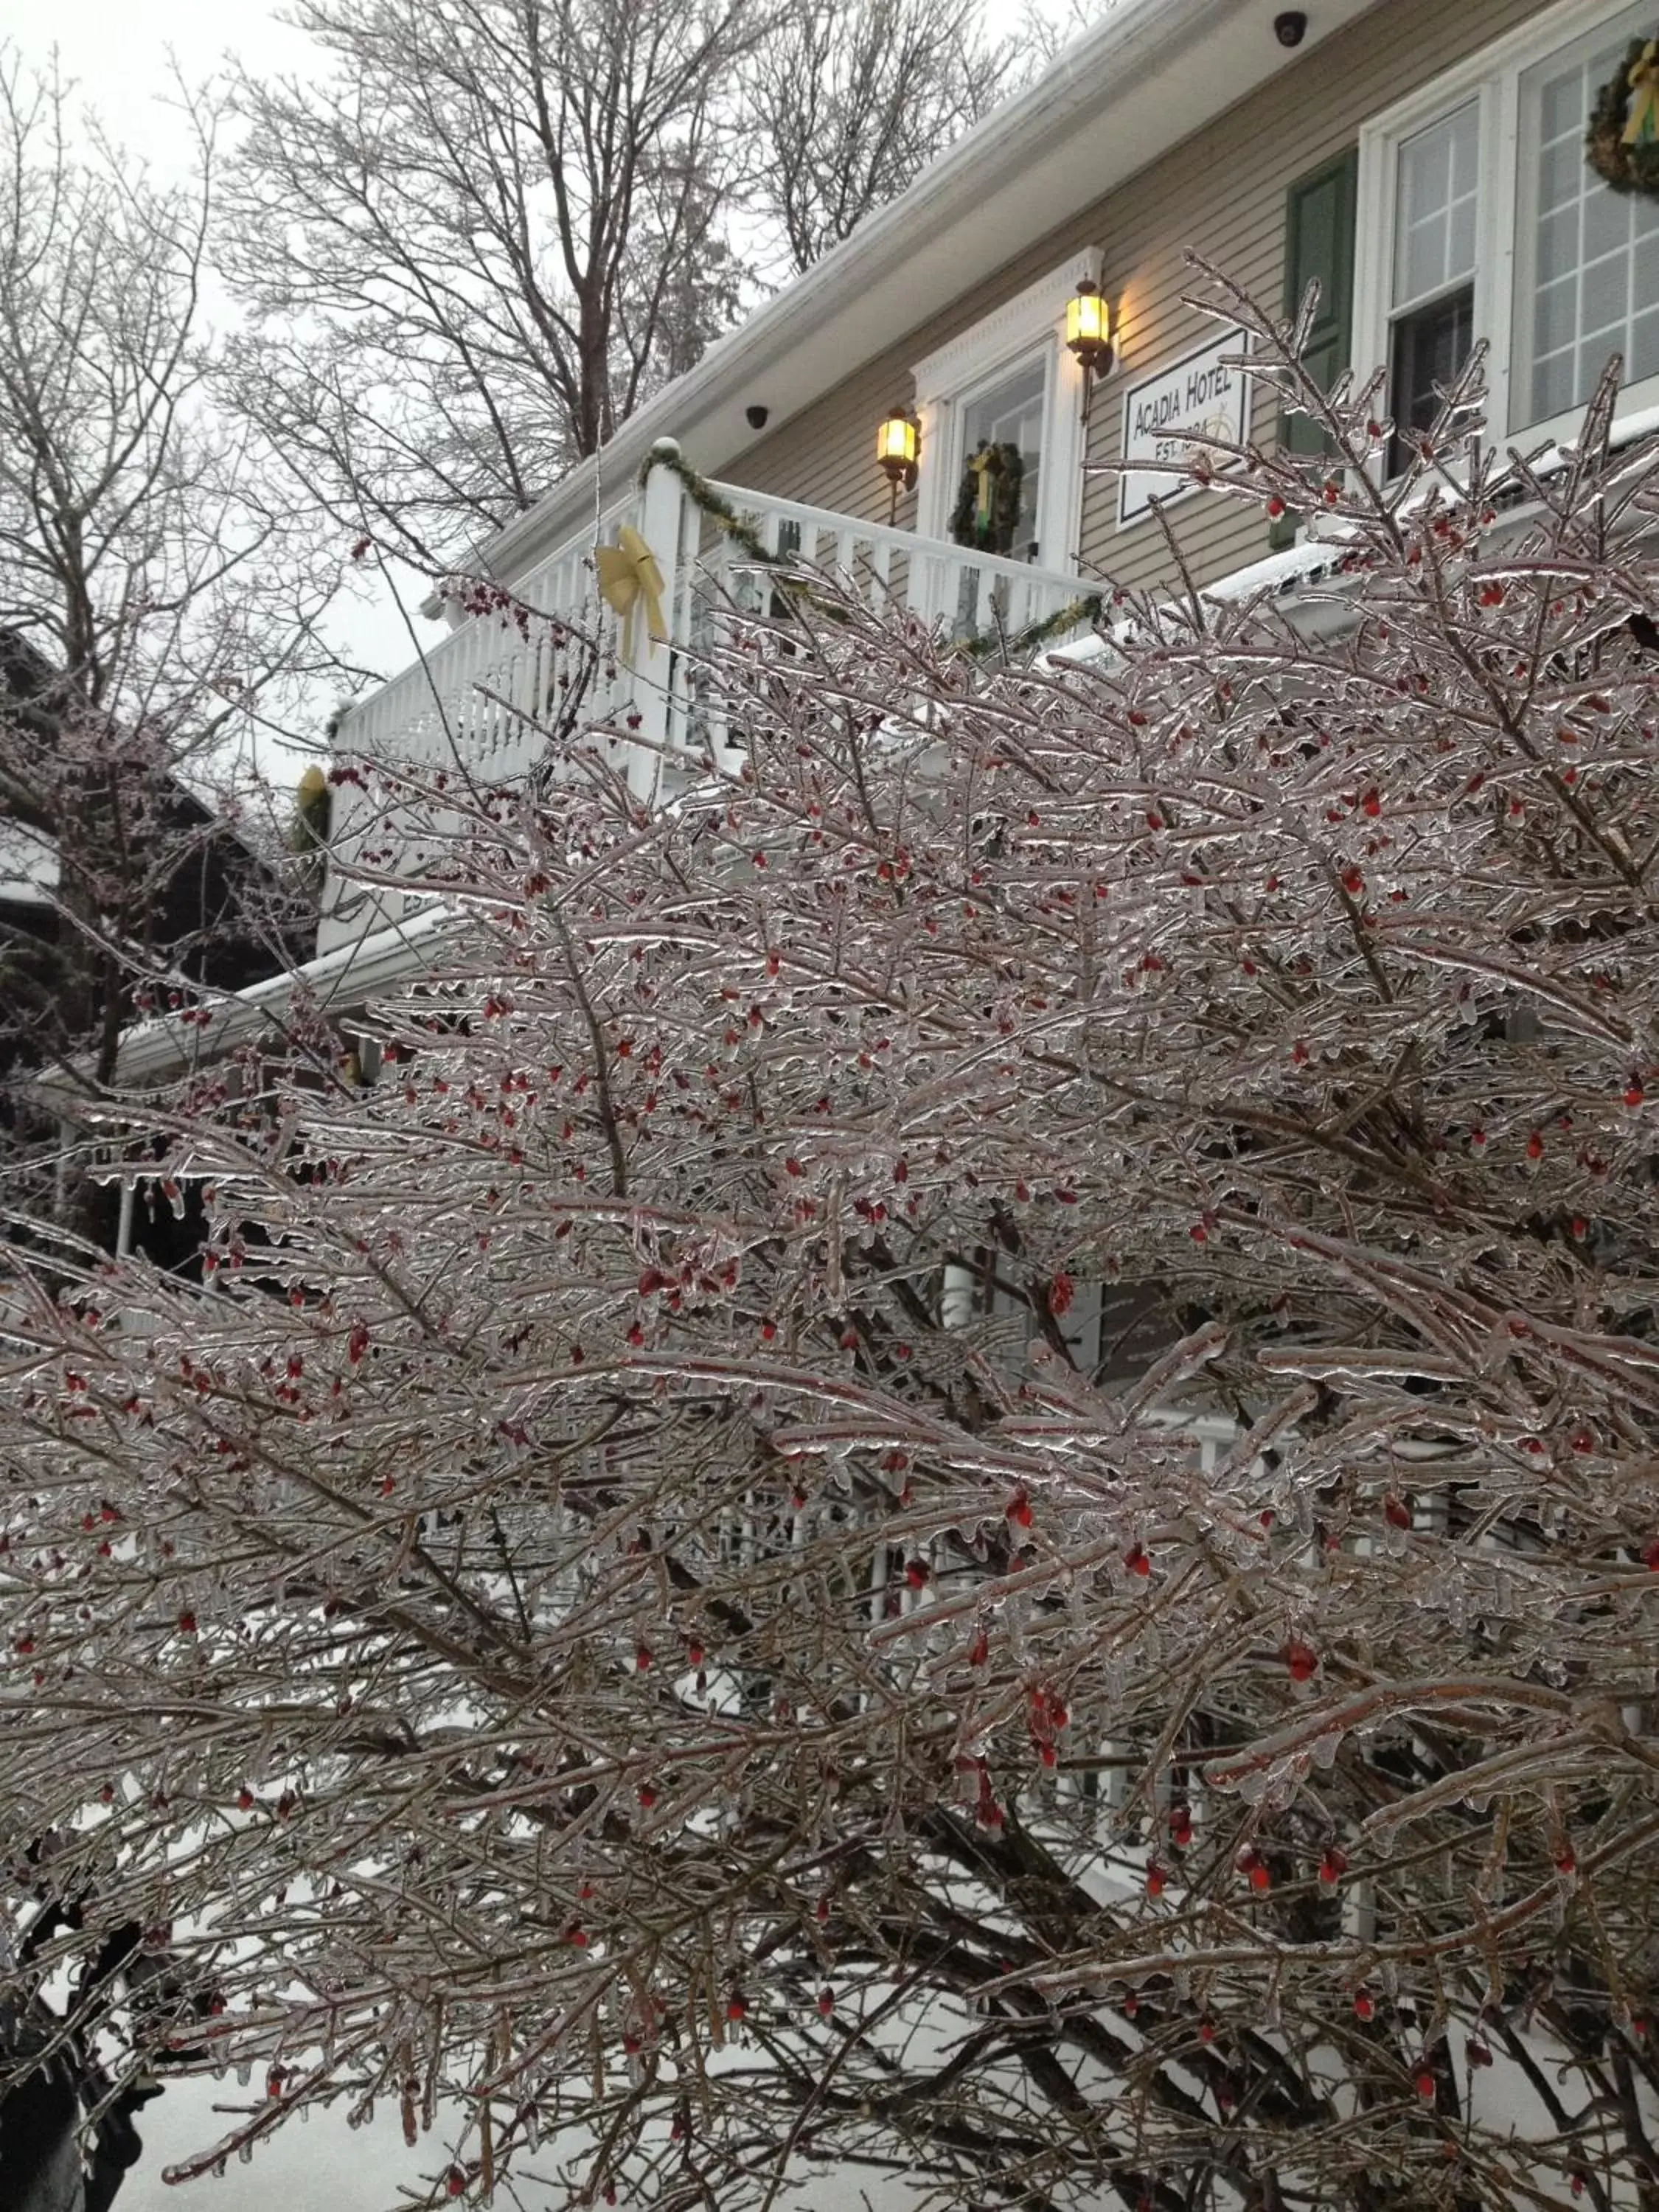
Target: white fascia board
1149, 75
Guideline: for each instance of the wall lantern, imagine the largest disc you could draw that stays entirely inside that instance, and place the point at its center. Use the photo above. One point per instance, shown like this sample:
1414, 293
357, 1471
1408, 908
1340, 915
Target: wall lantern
1089, 333
898, 447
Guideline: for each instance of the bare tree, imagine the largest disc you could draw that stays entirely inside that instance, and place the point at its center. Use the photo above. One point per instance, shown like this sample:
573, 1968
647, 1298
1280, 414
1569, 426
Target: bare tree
501, 227
638, 1626
505, 223
849, 105
154, 605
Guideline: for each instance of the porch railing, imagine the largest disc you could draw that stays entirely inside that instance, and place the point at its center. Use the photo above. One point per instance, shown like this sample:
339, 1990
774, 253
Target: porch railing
477, 703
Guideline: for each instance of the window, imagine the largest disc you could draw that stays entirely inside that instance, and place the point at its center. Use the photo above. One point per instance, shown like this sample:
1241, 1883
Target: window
1479, 217
1587, 260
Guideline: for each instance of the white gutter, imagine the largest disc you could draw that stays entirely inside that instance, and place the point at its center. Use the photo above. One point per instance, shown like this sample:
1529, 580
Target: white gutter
158, 1052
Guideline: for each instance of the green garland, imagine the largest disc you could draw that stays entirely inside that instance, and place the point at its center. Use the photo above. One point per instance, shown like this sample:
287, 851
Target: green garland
1073, 615
1627, 167
740, 530
989, 525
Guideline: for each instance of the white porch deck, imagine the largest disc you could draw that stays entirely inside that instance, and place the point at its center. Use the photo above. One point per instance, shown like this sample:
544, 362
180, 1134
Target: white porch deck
477, 705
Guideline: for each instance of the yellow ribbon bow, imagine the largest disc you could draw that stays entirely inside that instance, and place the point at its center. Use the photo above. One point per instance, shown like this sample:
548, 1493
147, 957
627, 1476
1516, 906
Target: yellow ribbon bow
627, 574
1642, 127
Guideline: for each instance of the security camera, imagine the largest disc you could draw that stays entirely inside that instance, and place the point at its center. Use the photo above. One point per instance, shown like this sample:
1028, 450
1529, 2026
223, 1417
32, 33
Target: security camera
758, 416
1290, 26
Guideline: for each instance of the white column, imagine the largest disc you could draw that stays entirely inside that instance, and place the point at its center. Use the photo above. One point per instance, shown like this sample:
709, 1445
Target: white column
654, 666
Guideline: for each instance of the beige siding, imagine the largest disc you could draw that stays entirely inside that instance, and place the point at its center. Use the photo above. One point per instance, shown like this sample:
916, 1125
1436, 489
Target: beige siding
1222, 194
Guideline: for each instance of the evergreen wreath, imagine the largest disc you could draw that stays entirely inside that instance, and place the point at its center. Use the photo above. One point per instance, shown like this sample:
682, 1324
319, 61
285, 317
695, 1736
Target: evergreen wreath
989, 525
1622, 145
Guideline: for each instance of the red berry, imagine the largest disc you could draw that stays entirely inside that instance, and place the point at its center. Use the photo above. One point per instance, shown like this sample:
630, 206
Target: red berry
826, 2003
1206, 2031
1018, 1508
1479, 2054
187, 1623
1634, 1093
244, 1800
1332, 1866
454, 2181
1302, 1660
1396, 1512
916, 1573
1155, 1879
1137, 1561
1259, 1877
1424, 2084
1364, 2007
736, 2007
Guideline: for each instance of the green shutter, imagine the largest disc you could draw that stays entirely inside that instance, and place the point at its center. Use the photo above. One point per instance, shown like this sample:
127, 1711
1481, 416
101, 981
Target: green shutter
1319, 228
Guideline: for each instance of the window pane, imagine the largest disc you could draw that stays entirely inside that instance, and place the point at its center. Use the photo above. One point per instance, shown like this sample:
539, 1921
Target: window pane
1011, 414
1557, 245
1644, 345
1553, 382
1559, 167
1604, 308
1606, 223
1438, 188
1558, 116
1557, 321
1584, 272
1429, 347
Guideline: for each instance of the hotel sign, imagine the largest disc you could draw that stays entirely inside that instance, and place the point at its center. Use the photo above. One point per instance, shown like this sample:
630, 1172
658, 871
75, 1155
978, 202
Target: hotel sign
1194, 396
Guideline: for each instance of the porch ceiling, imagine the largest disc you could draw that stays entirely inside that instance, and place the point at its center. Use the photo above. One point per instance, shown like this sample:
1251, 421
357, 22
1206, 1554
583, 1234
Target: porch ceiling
1150, 74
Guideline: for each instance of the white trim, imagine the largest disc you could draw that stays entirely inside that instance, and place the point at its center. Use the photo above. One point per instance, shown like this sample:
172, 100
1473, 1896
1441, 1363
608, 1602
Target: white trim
1032, 322
1492, 76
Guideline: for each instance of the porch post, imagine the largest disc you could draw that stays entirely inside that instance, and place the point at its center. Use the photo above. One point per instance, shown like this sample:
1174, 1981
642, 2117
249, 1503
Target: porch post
657, 663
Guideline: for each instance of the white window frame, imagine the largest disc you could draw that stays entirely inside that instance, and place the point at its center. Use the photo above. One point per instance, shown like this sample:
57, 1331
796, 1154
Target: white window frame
1029, 326
1491, 77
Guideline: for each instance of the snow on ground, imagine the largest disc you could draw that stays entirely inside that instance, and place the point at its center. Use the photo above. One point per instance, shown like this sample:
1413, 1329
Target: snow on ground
317, 2165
